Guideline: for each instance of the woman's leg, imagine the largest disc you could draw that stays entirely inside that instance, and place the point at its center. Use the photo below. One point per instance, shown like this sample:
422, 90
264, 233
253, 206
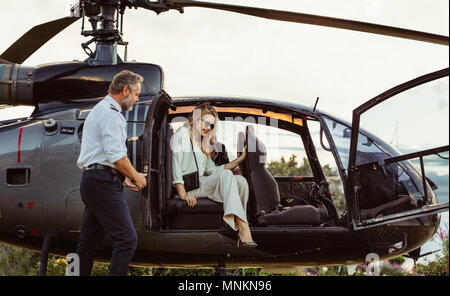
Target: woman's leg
232, 191
243, 190
232, 204
243, 226
244, 230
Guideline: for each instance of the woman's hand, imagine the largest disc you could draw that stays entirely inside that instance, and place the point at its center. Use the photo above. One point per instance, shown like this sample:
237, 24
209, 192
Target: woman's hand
191, 200
232, 165
236, 171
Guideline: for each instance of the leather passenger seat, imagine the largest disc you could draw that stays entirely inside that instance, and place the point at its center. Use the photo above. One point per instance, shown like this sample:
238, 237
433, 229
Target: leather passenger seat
207, 214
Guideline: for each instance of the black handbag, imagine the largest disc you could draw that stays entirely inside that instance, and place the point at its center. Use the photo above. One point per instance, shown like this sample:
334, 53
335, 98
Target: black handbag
192, 180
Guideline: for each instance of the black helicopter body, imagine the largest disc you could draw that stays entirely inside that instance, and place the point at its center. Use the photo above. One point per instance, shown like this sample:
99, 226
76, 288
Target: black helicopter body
41, 208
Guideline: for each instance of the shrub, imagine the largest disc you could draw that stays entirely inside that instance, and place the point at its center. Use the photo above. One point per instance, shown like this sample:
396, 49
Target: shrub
439, 266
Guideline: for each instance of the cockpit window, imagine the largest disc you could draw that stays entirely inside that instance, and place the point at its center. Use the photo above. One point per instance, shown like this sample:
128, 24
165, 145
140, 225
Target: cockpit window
367, 149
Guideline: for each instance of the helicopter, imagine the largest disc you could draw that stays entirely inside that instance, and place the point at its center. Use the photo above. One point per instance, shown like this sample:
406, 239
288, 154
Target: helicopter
391, 207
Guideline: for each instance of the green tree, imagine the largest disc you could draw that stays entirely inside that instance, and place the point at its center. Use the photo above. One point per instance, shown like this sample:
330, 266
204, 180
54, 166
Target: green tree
397, 260
17, 261
290, 167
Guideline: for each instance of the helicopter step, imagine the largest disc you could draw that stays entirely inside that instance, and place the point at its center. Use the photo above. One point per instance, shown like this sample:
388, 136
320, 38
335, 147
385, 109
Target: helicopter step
50, 241
221, 270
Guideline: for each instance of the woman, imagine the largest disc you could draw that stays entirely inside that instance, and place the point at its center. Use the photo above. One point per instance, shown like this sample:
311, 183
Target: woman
191, 152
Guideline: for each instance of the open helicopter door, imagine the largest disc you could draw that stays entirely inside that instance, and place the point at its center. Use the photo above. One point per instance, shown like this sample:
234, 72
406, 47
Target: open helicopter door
383, 185
152, 150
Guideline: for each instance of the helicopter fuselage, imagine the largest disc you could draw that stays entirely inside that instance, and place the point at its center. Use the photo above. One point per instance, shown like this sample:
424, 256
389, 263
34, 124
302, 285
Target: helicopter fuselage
41, 196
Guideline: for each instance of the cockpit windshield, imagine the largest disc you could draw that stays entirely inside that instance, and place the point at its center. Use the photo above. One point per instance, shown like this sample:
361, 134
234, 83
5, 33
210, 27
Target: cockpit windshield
341, 135
367, 150
370, 151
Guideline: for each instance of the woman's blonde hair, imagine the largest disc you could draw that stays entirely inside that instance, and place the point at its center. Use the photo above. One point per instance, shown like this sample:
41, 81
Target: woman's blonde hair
205, 109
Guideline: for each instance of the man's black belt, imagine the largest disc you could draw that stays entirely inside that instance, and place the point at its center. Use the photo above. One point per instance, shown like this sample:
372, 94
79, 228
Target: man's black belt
104, 167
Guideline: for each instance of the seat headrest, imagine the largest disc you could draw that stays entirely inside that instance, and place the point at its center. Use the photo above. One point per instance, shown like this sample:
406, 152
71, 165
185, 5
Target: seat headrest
240, 142
255, 146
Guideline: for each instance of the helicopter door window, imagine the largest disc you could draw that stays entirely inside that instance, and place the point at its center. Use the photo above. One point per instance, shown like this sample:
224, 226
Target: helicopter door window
384, 186
402, 131
409, 132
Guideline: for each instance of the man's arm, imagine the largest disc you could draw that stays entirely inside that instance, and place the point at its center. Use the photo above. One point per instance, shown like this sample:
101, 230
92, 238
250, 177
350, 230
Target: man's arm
125, 167
112, 128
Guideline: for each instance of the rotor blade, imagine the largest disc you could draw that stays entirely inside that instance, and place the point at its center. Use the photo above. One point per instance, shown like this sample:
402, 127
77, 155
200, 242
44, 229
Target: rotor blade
2, 61
317, 20
32, 40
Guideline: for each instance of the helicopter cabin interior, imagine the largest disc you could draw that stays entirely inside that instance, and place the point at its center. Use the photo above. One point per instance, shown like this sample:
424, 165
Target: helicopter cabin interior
274, 200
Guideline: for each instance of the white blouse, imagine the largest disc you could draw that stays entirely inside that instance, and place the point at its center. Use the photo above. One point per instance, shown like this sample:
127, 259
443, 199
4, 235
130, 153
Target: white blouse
183, 161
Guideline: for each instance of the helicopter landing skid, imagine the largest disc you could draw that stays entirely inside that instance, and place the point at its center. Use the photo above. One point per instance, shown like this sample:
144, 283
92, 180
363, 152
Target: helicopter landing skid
50, 240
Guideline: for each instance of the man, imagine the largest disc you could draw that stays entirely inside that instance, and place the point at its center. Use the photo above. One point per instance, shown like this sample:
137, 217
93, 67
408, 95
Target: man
103, 158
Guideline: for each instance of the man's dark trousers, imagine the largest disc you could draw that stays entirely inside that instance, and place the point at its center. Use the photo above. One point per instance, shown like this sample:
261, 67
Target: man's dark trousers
106, 212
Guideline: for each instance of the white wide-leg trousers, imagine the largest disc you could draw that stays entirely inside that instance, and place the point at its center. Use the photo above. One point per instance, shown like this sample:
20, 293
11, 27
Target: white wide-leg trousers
231, 190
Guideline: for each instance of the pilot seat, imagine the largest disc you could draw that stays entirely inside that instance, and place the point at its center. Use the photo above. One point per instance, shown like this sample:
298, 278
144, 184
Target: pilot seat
264, 202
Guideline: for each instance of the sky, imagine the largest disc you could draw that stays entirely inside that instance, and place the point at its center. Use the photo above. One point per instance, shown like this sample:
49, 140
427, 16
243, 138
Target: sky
208, 52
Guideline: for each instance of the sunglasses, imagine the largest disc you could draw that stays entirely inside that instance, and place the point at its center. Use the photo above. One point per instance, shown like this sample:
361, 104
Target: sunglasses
208, 124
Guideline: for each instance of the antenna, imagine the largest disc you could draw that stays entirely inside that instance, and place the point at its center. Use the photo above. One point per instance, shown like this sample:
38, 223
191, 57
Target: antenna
315, 105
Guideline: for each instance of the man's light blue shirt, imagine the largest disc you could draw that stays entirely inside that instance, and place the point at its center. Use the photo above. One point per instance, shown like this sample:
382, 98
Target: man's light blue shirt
104, 135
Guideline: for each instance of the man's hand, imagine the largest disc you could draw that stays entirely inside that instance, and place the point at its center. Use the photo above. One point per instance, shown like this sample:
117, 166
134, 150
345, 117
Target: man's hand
126, 168
130, 185
140, 181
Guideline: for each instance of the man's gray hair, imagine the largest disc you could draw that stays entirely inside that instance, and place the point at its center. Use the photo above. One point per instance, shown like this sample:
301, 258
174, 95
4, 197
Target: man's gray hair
123, 79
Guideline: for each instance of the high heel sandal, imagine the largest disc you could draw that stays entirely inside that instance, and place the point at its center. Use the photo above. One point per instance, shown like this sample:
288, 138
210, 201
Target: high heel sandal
242, 244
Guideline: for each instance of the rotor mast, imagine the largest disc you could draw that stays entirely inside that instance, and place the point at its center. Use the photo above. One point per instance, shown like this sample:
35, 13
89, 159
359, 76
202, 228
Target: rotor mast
103, 16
